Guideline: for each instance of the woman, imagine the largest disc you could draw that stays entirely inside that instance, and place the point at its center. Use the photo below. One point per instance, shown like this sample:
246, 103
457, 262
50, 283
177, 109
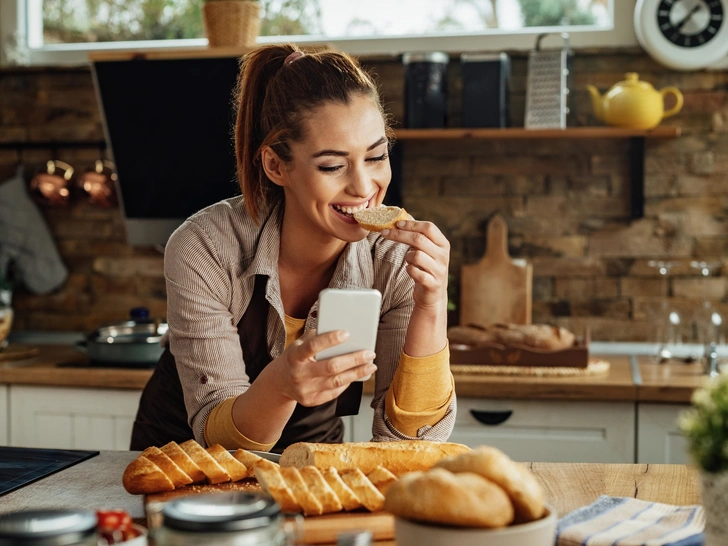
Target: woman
243, 277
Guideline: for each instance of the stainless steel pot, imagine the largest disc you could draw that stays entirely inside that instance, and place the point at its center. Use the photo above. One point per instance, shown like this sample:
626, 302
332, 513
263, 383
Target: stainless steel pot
133, 343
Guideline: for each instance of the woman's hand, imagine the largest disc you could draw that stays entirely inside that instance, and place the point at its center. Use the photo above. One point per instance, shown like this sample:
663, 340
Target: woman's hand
428, 260
312, 382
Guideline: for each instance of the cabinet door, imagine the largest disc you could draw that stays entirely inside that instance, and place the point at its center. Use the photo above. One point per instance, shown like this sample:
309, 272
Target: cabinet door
4, 415
549, 431
659, 440
72, 418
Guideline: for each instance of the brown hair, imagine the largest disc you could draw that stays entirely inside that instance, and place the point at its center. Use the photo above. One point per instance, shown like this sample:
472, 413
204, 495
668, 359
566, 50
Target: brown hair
272, 97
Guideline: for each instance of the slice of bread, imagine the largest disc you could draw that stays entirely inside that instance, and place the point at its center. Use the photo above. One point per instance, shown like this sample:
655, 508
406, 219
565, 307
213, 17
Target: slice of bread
321, 490
232, 466
347, 497
247, 458
176, 475
379, 218
143, 476
310, 504
370, 497
213, 471
184, 461
381, 478
269, 476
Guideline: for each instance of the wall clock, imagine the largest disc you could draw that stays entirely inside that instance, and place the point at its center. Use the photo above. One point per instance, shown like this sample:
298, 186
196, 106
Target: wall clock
683, 34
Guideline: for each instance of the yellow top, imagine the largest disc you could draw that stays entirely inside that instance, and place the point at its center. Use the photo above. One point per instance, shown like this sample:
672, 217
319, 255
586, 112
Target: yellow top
419, 395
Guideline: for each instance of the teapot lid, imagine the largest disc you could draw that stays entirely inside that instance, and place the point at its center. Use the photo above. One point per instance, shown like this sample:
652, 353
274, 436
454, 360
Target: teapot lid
632, 79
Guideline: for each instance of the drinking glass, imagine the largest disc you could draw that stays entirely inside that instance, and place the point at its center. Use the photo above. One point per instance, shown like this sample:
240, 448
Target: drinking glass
667, 330
707, 324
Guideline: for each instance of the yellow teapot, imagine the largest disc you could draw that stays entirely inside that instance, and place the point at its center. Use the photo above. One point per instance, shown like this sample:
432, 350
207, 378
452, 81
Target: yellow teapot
633, 103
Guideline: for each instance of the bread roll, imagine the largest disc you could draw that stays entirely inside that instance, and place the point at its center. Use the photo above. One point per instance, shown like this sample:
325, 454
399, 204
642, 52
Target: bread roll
397, 457
379, 218
491, 463
439, 496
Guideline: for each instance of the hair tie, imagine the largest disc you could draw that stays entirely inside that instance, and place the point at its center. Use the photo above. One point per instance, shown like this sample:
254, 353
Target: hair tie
293, 57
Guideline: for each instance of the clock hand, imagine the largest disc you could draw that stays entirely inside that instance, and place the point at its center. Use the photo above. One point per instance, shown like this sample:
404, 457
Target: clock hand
688, 17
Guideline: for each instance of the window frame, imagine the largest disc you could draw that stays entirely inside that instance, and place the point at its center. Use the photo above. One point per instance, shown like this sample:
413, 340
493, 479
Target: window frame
13, 17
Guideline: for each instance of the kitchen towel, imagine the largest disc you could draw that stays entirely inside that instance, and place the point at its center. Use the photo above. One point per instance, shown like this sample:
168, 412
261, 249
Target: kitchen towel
624, 521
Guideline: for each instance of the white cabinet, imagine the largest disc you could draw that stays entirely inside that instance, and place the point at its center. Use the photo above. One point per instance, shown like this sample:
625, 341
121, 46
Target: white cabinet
659, 440
4, 412
549, 431
71, 418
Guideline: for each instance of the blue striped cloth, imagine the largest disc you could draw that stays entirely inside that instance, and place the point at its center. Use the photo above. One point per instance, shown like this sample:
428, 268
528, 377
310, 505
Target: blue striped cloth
624, 521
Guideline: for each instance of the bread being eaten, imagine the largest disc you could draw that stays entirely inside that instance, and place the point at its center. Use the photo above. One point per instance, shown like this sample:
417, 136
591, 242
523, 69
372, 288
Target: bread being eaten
379, 218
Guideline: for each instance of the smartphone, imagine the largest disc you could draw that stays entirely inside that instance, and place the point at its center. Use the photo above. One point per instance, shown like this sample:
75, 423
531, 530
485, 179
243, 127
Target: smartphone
354, 310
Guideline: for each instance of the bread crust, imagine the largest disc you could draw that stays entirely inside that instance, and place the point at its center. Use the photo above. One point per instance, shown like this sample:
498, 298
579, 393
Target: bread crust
321, 489
397, 457
232, 466
180, 457
494, 465
364, 219
439, 496
308, 501
270, 478
539, 336
143, 476
212, 469
348, 498
369, 495
176, 475
381, 478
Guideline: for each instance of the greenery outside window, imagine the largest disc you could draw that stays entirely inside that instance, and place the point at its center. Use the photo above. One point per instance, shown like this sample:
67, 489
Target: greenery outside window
67, 29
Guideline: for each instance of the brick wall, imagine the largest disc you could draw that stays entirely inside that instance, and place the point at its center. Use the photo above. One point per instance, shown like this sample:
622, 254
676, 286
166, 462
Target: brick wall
566, 202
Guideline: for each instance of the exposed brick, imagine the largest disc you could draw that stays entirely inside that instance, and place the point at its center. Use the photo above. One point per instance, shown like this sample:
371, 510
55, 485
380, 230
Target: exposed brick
701, 288
484, 184
607, 308
638, 240
577, 205
564, 267
702, 163
129, 267
543, 289
442, 166
715, 184
573, 245
633, 287
585, 289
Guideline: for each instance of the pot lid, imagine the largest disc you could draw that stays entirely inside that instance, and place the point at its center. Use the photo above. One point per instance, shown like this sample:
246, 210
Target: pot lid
234, 511
139, 329
46, 527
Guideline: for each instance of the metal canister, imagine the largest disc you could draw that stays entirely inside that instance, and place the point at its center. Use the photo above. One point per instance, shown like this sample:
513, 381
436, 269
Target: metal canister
425, 93
224, 519
48, 528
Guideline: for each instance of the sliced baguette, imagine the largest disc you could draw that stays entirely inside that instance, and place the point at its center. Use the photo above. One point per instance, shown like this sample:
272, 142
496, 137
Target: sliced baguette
398, 457
247, 458
379, 218
347, 497
370, 497
213, 471
232, 466
180, 457
270, 479
321, 490
310, 504
176, 475
381, 478
143, 476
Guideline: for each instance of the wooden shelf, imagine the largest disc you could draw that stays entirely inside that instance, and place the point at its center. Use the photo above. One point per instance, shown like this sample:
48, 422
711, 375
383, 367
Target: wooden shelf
520, 133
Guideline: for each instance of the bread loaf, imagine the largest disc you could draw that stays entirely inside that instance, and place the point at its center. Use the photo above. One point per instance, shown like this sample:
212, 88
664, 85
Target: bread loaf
539, 336
397, 457
379, 218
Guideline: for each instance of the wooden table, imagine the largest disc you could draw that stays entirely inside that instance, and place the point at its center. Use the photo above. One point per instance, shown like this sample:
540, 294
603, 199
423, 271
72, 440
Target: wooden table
96, 483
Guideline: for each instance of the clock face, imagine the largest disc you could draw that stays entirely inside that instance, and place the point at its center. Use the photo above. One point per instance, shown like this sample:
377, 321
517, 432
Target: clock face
683, 34
690, 23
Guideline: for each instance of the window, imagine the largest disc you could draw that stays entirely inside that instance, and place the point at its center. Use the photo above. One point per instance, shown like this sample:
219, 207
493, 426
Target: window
64, 30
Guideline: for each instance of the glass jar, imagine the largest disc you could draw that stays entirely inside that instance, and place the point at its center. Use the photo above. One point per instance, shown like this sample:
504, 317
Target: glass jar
224, 519
6, 316
48, 528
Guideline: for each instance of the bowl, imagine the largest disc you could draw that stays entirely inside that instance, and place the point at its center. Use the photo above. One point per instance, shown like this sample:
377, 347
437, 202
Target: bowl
534, 533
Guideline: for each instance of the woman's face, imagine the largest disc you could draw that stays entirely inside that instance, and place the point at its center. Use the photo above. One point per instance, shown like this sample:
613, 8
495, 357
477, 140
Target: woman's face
341, 166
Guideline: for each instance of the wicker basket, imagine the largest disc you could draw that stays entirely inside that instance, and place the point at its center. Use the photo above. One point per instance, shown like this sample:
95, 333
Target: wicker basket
231, 23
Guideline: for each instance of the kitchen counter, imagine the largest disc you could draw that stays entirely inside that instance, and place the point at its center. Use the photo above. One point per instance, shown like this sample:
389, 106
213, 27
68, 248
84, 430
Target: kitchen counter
629, 379
96, 483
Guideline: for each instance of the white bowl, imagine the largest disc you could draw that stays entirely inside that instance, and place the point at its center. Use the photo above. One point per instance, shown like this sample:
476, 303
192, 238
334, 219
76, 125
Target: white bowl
535, 533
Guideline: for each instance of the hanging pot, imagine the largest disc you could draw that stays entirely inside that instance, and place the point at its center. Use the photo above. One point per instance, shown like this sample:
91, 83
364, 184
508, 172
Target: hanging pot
135, 343
99, 185
52, 186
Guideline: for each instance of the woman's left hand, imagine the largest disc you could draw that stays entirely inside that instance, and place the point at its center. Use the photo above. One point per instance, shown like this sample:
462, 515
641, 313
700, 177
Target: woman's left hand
428, 260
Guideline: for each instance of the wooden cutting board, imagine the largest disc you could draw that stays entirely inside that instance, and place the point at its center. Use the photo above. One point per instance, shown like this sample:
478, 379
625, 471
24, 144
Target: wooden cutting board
316, 529
497, 288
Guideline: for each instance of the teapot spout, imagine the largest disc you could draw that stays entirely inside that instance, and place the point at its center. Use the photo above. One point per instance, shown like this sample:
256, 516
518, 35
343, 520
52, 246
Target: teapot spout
597, 102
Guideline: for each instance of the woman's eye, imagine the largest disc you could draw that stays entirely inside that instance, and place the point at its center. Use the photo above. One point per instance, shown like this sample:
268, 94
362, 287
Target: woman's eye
329, 169
378, 158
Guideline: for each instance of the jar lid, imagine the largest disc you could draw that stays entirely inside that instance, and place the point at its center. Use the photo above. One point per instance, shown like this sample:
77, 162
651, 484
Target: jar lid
426, 57
46, 527
234, 511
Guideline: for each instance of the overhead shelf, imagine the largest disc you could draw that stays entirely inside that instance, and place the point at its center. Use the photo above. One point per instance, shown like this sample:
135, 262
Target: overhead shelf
520, 133
637, 138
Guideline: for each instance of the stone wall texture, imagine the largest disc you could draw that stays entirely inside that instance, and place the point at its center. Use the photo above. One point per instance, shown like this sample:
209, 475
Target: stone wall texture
566, 202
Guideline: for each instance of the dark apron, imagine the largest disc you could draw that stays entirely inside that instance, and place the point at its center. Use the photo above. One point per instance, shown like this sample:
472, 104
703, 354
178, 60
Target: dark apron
162, 416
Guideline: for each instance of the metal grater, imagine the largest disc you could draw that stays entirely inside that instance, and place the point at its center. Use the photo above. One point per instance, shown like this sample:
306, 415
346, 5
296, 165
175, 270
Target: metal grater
547, 88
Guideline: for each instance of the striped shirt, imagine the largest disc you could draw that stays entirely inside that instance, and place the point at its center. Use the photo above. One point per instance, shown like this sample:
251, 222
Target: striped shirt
210, 265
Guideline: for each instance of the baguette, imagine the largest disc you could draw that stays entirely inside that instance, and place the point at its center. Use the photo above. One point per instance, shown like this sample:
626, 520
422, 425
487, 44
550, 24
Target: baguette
213, 471
321, 490
381, 217
184, 461
176, 475
232, 466
348, 498
143, 476
397, 457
